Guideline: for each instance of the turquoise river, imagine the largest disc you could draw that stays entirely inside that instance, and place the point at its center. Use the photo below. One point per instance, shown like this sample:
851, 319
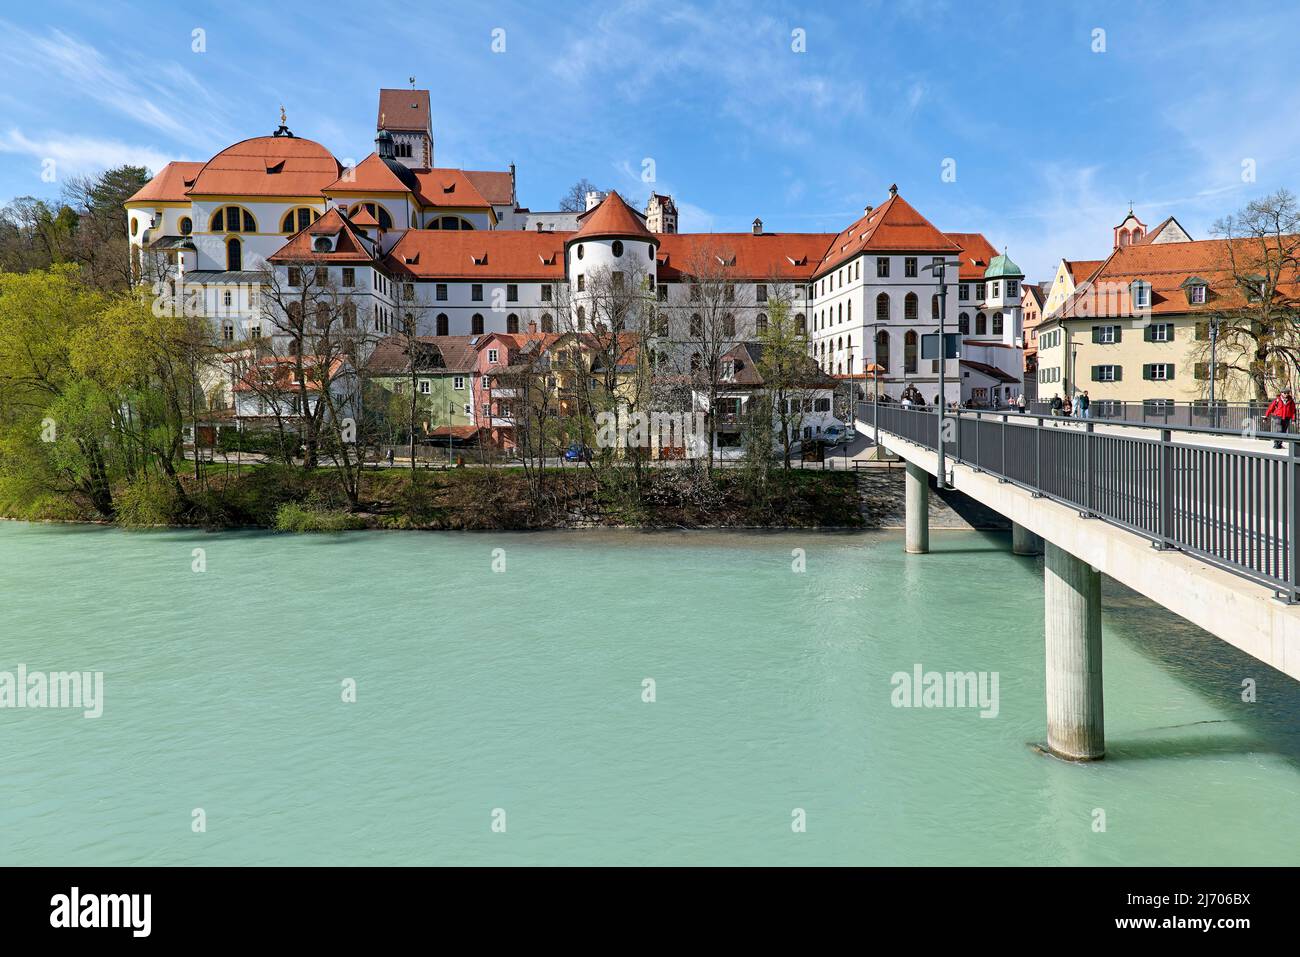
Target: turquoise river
499, 679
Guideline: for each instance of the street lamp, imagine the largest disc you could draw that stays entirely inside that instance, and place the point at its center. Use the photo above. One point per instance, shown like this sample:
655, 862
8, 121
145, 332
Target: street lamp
939, 268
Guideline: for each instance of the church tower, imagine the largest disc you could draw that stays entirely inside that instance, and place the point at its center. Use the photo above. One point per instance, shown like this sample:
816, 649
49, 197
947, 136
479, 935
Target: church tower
1131, 231
405, 116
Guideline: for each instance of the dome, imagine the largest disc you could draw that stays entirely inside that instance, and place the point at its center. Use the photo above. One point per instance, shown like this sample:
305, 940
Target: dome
612, 217
1003, 266
268, 166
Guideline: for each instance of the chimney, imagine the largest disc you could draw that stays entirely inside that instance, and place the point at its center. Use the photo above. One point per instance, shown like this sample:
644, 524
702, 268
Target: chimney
866, 210
758, 226
893, 189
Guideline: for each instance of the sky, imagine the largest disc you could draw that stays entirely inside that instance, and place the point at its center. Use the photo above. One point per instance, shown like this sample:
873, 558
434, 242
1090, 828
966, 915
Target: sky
1036, 124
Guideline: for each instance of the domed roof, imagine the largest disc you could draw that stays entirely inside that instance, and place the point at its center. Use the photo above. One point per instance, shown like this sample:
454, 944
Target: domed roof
1002, 266
612, 217
284, 165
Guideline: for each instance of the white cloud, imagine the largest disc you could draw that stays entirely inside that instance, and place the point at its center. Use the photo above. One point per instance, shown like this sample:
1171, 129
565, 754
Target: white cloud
76, 155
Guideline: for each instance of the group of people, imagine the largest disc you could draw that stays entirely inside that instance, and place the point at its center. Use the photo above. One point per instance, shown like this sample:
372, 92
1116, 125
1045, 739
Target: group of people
1081, 407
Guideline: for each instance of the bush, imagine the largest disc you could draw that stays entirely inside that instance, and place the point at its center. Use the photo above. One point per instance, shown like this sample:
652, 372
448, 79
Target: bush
293, 517
149, 500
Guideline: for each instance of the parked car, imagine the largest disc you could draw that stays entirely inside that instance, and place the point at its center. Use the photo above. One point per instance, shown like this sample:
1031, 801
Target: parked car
577, 453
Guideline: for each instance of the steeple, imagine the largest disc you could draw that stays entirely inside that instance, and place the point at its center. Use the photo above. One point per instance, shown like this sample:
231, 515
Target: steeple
283, 130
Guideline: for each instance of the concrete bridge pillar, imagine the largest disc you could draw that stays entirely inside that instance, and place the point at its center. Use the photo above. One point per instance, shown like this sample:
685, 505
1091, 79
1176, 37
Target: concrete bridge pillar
1072, 610
1025, 542
917, 501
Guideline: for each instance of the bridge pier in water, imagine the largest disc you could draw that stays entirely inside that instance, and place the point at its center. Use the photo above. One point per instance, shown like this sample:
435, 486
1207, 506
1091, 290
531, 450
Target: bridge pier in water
1072, 613
916, 499
1025, 542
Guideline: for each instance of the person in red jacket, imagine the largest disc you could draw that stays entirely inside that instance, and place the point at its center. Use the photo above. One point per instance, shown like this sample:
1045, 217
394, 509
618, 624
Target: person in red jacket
1283, 409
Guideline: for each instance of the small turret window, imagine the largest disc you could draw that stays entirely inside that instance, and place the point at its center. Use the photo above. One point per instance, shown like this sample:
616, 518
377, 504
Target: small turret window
580, 250
618, 248
187, 225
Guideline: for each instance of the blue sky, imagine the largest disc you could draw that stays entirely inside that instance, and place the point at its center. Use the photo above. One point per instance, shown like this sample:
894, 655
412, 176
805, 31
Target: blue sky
1050, 139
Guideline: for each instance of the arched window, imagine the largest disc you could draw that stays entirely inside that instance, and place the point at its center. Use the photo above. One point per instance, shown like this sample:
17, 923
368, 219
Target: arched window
449, 222
841, 313
187, 225
728, 325
963, 324
801, 324
548, 324
760, 324
934, 308
839, 344
296, 220
882, 350
882, 307
349, 315
374, 209
234, 254
697, 326
233, 219
322, 315
228, 331
911, 307
997, 323
850, 310
582, 319
476, 325
512, 323
981, 324
442, 324
909, 353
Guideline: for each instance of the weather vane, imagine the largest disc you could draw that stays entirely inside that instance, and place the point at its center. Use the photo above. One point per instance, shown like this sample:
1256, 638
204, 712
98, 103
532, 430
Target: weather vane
283, 119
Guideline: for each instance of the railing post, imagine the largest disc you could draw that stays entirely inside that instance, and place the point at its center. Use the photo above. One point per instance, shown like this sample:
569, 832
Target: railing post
1293, 523
1087, 469
977, 441
1038, 457
1166, 492
1003, 475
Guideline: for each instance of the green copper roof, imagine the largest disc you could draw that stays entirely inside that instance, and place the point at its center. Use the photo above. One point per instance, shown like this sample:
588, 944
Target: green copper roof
1002, 266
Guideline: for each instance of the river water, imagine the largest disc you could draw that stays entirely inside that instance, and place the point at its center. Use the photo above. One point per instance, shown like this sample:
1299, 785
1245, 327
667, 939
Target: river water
500, 712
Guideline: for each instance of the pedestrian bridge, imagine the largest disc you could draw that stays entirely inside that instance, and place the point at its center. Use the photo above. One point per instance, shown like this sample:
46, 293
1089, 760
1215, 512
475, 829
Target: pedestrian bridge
1201, 522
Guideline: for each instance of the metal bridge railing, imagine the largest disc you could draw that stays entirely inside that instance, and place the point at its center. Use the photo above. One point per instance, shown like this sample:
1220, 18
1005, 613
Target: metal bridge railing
1235, 508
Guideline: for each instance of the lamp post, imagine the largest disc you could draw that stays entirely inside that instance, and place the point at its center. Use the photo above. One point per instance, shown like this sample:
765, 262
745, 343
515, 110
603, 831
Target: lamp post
939, 268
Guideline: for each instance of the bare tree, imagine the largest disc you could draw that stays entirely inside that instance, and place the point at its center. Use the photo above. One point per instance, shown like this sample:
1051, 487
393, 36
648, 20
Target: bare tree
708, 318
785, 365
575, 200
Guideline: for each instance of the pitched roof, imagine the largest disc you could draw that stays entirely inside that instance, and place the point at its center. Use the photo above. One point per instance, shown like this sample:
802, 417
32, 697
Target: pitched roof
1176, 233
976, 252
497, 187
276, 373
448, 187
373, 175
169, 185
894, 226
268, 166
478, 254
454, 354
791, 256
1035, 290
403, 110
348, 248
993, 372
746, 357
1167, 267
1081, 269
612, 217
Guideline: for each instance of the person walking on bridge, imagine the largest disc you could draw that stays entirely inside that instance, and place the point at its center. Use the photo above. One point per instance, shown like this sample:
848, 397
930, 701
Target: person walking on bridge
1283, 409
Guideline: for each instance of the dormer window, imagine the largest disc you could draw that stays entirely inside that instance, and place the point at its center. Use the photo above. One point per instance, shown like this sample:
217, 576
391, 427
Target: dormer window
728, 368
1141, 293
1197, 290
322, 244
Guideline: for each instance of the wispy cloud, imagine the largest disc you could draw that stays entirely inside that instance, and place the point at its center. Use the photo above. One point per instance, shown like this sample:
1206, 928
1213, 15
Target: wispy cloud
76, 155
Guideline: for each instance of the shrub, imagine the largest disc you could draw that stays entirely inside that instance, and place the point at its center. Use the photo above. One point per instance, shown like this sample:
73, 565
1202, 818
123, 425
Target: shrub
148, 500
293, 517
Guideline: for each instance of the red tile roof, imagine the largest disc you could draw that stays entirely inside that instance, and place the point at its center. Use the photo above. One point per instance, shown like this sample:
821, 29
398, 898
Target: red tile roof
349, 248
169, 185
975, 253
475, 254
268, 166
276, 373
371, 175
612, 217
1166, 266
1081, 269
894, 226
789, 256
403, 110
496, 187
434, 354
449, 187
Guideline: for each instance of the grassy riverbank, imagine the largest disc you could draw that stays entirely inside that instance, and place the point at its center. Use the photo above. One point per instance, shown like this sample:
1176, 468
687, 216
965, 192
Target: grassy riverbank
297, 500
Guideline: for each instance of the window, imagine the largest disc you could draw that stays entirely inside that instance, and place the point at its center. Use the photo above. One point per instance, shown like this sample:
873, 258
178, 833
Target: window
617, 248
981, 324
512, 323
760, 324
548, 323
882, 350
1196, 293
546, 293
408, 290
476, 292
1106, 335
233, 219
911, 307
582, 282
997, 323
1158, 371
458, 383
1141, 292
760, 293
963, 292
882, 308
512, 292
486, 381
963, 324
226, 298
476, 325
187, 225
349, 276
909, 267
234, 255
1107, 373
934, 309
1160, 332
617, 280
909, 352
441, 324
994, 290
424, 387
1013, 288
729, 292
728, 368
697, 326
801, 324
296, 220
662, 293
728, 325
580, 251
440, 292
582, 319
882, 267
228, 330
